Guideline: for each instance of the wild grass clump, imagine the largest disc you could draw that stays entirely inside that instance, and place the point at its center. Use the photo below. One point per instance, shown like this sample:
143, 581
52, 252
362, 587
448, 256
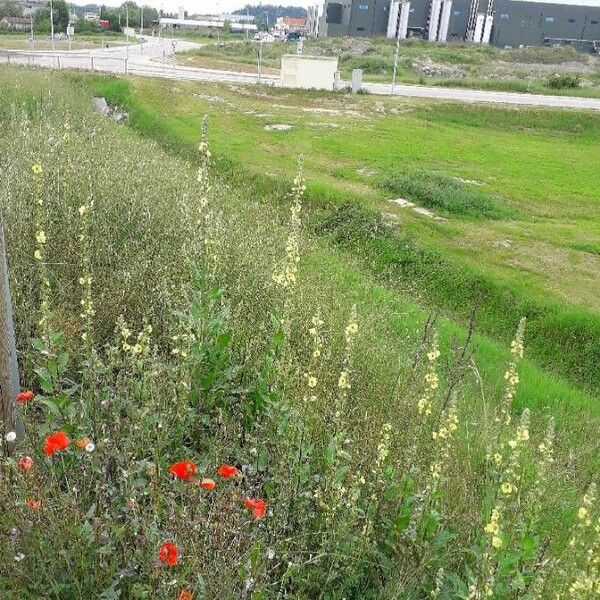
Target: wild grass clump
201, 420
563, 81
447, 195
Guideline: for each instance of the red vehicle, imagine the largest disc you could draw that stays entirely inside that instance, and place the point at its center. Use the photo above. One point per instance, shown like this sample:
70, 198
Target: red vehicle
104, 24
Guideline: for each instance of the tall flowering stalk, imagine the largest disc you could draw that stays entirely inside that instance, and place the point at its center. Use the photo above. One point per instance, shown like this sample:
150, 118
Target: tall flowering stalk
425, 403
581, 573
344, 378
443, 437
511, 376
85, 280
312, 373
506, 507
545, 460
285, 277
40, 253
202, 176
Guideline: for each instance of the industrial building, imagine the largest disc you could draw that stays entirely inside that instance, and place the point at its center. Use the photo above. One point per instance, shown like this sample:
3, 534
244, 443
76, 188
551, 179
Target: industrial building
500, 22
237, 23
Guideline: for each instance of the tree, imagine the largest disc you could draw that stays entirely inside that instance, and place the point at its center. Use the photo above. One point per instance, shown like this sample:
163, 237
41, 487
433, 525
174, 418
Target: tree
260, 12
60, 11
61, 15
10, 9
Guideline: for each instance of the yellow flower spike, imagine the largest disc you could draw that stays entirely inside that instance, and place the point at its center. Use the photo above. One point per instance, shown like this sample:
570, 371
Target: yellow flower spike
496, 542
352, 328
37, 169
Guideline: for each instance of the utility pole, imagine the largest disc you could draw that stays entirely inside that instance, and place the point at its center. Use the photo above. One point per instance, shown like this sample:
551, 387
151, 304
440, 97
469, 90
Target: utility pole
31, 39
9, 374
260, 51
52, 30
127, 27
397, 52
142, 22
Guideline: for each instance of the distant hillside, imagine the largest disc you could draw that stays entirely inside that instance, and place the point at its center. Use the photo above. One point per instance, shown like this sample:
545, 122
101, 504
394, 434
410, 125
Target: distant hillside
260, 11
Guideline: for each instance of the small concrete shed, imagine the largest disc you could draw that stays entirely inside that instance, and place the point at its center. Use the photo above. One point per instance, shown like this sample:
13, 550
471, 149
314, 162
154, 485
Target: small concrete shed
304, 71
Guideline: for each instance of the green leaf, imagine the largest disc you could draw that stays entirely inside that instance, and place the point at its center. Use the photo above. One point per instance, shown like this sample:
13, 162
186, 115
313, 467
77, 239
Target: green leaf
528, 547
62, 361
45, 380
52, 407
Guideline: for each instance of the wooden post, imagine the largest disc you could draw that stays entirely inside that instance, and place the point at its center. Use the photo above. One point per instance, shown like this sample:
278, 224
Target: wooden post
9, 374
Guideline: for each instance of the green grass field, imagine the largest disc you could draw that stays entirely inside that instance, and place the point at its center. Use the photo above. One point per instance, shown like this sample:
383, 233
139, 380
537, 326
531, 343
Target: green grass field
390, 487
83, 41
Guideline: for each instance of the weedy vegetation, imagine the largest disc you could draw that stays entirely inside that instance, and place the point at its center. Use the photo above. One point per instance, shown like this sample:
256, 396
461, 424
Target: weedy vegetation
208, 415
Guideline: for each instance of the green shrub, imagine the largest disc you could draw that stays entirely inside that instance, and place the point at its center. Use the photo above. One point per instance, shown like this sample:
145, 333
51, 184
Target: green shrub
564, 81
369, 64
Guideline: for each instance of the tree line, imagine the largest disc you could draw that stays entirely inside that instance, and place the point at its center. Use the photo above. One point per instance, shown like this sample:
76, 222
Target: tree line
116, 16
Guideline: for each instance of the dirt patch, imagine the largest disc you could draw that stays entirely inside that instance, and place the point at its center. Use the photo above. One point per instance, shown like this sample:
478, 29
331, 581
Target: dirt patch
402, 203
278, 127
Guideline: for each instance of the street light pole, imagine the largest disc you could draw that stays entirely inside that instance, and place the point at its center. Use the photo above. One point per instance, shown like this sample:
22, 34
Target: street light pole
142, 22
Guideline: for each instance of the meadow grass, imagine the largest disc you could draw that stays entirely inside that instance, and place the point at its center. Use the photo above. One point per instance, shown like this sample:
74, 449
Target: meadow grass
446, 195
166, 316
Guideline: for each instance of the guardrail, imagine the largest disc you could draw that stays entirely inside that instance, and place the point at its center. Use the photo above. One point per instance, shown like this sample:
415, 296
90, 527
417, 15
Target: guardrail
73, 60
134, 65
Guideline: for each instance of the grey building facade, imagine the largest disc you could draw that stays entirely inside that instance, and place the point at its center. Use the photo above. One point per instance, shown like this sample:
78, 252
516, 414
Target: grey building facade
500, 22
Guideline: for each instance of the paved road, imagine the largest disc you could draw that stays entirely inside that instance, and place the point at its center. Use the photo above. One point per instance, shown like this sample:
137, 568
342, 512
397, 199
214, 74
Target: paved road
464, 95
151, 59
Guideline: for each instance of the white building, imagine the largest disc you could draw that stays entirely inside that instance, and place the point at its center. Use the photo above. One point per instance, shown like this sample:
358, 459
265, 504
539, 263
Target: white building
207, 22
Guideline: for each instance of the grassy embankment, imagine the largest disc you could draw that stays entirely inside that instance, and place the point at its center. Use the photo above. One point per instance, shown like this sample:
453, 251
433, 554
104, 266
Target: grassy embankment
451, 65
533, 251
354, 509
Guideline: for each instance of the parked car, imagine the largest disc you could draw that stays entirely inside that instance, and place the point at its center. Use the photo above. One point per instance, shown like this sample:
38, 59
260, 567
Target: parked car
293, 36
263, 36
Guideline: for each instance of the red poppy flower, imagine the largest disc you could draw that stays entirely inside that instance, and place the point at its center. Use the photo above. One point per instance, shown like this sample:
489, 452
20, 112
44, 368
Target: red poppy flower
35, 504
184, 469
25, 396
55, 442
258, 507
228, 471
168, 553
185, 595
208, 484
25, 463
